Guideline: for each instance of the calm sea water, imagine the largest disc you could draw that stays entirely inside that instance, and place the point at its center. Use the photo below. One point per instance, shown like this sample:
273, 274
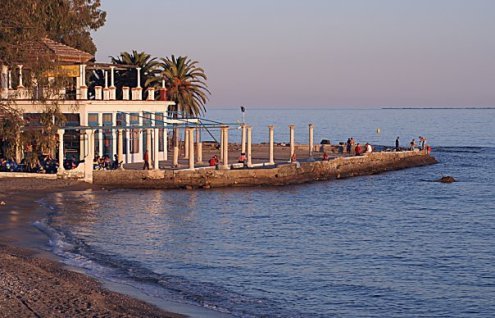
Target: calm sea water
395, 244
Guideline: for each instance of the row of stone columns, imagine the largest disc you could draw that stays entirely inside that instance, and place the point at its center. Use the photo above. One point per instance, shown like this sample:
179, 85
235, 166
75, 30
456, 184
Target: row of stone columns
6, 81
190, 145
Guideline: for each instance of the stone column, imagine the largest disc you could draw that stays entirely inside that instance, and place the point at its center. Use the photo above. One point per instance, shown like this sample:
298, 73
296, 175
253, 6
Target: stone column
10, 79
190, 135
114, 134
243, 138
100, 134
292, 141
165, 144
83, 88
113, 95
106, 91
175, 161
20, 76
148, 143
138, 70
270, 133
61, 150
127, 138
222, 144
88, 160
199, 147
83, 75
249, 149
156, 160
311, 146
120, 147
4, 81
186, 142
226, 147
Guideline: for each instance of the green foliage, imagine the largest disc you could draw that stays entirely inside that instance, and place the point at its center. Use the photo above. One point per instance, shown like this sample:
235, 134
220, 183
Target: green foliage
28, 21
149, 69
186, 85
65, 21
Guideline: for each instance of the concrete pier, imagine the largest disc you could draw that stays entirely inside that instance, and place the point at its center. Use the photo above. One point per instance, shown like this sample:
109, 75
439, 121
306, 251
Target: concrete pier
338, 168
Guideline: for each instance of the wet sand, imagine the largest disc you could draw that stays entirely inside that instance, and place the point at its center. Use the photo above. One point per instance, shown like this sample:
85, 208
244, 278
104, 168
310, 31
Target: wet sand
36, 286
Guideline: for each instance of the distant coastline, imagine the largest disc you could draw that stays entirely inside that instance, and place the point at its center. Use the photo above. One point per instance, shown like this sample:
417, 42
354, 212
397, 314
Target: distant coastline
438, 108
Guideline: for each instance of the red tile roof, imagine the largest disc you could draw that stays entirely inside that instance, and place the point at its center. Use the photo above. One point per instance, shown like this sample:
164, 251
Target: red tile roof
57, 51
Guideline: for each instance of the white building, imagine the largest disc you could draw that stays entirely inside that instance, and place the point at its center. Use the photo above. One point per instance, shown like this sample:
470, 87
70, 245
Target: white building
103, 111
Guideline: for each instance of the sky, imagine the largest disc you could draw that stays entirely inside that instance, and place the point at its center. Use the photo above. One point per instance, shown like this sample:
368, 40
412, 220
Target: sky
319, 53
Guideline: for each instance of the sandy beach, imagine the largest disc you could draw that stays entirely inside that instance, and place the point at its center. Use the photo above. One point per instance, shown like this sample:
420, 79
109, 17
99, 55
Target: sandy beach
35, 286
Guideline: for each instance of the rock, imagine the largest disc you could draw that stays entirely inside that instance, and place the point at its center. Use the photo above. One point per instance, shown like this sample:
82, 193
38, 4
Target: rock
446, 179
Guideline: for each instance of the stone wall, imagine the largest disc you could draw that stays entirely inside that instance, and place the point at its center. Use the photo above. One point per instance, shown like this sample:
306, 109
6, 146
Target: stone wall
284, 174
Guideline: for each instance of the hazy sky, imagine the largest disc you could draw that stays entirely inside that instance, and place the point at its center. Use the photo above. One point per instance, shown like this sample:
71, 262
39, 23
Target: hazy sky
318, 53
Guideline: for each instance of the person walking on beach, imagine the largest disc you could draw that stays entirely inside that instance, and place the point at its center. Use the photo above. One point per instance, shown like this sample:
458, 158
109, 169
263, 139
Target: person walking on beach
146, 158
397, 146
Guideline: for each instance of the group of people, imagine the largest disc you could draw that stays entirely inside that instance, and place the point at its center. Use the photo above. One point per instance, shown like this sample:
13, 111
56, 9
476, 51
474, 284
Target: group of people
358, 149
105, 163
31, 163
413, 145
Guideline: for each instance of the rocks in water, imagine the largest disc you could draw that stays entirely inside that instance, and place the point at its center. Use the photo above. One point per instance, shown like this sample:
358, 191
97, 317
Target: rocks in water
446, 179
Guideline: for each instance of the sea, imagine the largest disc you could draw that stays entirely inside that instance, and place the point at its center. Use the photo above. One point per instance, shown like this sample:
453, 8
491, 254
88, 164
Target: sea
396, 244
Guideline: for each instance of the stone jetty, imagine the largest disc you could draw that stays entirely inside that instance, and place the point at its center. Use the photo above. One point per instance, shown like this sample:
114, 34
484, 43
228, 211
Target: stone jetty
264, 175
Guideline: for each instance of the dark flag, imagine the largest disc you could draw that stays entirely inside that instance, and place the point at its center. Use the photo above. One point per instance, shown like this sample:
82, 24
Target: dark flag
243, 109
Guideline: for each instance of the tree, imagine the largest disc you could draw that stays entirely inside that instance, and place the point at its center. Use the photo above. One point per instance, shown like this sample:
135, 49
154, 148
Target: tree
149, 69
186, 85
23, 24
65, 21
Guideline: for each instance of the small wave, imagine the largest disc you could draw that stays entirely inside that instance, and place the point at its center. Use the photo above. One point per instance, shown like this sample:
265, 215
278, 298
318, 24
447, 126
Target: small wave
462, 149
75, 252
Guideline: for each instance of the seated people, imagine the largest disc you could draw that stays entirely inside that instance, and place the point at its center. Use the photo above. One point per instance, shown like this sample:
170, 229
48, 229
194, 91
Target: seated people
368, 147
242, 158
358, 150
213, 161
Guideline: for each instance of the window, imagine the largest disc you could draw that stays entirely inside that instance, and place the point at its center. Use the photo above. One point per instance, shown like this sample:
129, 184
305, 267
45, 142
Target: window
161, 131
93, 122
134, 134
146, 123
107, 135
122, 122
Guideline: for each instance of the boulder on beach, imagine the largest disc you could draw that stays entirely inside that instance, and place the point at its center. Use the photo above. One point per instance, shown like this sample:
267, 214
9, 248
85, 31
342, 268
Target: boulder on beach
446, 179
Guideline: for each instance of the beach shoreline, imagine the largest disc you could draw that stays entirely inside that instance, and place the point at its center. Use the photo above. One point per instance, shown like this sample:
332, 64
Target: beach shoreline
35, 282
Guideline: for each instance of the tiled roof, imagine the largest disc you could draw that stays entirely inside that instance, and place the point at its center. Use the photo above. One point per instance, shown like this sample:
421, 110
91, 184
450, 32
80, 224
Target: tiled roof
57, 51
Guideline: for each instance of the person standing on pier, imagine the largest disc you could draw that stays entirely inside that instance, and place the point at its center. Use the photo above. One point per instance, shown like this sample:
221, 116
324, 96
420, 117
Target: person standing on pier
412, 144
397, 146
146, 158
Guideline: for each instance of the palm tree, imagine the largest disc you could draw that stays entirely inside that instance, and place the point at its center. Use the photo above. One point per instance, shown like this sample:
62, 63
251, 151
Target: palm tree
149, 69
186, 85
